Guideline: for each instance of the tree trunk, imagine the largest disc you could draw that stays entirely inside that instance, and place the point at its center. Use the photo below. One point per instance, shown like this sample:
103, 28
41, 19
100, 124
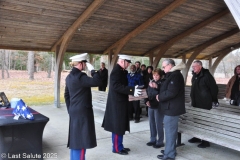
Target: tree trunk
2, 61
6, 55
49, 69
31, 65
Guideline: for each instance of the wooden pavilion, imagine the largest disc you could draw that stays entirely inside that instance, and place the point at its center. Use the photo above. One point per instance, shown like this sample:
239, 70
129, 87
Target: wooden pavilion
186, 29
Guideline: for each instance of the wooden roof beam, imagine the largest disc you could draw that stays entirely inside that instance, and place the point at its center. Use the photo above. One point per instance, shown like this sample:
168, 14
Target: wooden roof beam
214, 40
203, 46
228, 49
170, 42
94, 6
145, 25
222, 54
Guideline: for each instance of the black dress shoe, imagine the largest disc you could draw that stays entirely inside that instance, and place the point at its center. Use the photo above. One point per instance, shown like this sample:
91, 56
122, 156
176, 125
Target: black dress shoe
158, 145
204, 144
167, 158
122, 152
151, 143
127, 149
162, 151
194, 140
137, 121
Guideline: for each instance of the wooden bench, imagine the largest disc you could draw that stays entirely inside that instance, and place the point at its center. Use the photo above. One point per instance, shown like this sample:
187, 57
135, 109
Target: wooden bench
216, 125
99, 100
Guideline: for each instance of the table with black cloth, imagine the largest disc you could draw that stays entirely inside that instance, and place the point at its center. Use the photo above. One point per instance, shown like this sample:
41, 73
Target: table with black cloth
22, 138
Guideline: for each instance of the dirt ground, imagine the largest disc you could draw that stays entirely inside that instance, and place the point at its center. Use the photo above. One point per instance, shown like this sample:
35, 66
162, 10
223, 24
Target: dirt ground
41, 89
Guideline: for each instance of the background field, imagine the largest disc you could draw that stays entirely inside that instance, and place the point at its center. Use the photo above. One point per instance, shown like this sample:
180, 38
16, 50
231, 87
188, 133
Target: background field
41, 90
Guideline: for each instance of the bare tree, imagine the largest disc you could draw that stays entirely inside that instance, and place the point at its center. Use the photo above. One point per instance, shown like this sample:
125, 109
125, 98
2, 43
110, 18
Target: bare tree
31, 65
4, 62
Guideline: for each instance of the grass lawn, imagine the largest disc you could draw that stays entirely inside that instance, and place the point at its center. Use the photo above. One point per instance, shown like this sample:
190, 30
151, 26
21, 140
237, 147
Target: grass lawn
39, 91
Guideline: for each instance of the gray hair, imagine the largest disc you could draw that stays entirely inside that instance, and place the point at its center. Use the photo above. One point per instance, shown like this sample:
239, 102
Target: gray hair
169, 61
198, 62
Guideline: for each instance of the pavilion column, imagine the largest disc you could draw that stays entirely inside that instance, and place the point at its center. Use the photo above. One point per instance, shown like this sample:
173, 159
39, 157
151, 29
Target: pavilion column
210, 65
57, 77
184, 58
150, 59
189, 62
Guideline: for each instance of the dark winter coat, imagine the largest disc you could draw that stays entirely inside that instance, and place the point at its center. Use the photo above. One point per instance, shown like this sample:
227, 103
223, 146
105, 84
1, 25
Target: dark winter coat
78, 98
147, 79
172, 93
104, 76
116, 118
152, 92
204, 90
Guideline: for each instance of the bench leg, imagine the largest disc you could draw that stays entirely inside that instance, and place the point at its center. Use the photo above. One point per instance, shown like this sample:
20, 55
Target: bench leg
179, 139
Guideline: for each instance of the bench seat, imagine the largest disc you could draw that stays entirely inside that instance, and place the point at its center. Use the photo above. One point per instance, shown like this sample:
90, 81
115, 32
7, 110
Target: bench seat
215, 125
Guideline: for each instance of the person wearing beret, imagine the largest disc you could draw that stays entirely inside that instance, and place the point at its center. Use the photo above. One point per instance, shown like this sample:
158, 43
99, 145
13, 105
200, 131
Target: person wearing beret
78, 98
116, 119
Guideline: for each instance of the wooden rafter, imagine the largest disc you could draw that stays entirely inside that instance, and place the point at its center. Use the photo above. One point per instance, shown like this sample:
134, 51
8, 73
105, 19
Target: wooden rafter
222, 54
145, 25
189, 31
214, 40
228, 49
203, 46
81, 19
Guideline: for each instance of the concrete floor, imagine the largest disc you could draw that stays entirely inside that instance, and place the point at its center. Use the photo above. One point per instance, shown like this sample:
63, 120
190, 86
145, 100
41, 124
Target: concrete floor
56, 133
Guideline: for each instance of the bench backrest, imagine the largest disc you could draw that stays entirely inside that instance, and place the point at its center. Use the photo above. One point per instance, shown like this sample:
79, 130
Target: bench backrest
214, 120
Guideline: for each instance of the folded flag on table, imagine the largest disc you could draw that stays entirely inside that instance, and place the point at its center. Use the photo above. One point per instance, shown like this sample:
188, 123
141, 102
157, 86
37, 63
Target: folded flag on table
22, 110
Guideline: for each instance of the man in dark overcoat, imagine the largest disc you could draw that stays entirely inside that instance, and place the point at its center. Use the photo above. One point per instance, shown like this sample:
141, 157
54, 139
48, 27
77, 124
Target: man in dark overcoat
172, 103
116, 118
204, 93
78, 98
104, 76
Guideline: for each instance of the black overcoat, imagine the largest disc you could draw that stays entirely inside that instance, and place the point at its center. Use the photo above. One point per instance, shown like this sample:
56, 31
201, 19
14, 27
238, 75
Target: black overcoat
116, 118
104, 76
204, 90
78, 98
172, 94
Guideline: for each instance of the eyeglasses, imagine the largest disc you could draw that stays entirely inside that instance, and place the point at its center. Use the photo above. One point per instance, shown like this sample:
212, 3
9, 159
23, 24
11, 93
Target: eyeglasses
163, 67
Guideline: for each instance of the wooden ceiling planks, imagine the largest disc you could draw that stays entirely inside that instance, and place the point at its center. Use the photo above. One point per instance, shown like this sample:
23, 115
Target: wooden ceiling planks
38, 25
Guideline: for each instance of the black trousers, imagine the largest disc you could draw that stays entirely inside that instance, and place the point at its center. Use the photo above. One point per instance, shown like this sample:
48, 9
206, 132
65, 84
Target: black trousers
102, 89
134, 107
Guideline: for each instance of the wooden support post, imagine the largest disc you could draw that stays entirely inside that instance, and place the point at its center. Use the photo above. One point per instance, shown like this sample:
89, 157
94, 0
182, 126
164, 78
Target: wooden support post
57, 79
150, 59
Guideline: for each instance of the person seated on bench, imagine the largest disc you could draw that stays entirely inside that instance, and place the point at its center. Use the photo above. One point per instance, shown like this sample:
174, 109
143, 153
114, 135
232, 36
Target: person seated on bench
203, 94
233, 86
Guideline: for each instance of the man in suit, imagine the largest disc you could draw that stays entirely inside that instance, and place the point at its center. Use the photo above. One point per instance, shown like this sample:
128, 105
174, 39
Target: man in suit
116, 119
104, 76
134, 79
78, 98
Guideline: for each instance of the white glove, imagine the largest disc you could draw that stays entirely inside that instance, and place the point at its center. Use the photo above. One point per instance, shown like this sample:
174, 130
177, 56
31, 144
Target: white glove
137, 92
89, 66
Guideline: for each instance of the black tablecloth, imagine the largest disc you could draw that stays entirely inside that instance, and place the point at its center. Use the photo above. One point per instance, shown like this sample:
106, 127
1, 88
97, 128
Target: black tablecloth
21, 137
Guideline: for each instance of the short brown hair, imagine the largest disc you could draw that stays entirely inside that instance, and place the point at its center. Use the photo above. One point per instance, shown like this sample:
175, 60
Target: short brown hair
158, 71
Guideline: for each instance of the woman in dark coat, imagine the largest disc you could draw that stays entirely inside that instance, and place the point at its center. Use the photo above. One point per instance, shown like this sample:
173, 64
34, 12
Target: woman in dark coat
155, 115
78, 99
147, 78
